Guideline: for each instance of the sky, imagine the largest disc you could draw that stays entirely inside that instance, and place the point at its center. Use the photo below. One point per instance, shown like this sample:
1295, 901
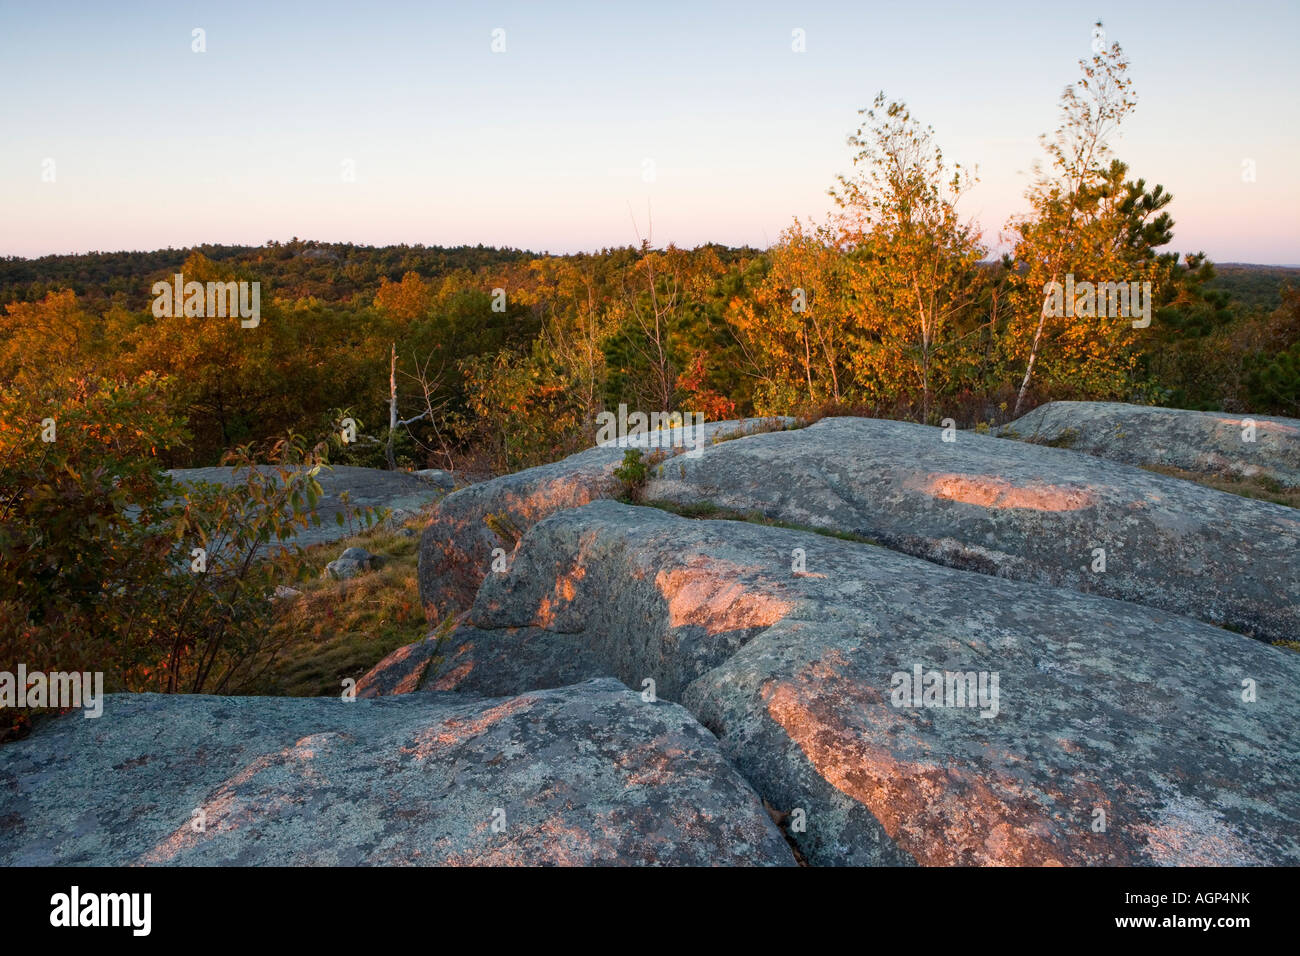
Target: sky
599, 123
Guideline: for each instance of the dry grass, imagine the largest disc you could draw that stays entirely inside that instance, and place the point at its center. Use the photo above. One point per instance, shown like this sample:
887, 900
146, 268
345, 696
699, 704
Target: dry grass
340, 629
1260, 486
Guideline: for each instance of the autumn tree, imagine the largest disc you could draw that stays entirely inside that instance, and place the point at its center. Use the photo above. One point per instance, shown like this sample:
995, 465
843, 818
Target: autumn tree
57, 332
794, 330
912, 262
407, 300
1089, 222
578, 323
107, 563
651, 297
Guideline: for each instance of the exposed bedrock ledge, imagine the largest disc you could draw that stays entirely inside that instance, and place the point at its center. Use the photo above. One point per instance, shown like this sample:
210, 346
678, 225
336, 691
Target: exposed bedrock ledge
457, 547
1016, 510
587, 774
1107, 711
402, 492
1210, 443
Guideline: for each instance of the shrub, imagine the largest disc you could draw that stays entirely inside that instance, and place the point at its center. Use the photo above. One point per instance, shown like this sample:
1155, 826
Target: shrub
107, 564
632, 475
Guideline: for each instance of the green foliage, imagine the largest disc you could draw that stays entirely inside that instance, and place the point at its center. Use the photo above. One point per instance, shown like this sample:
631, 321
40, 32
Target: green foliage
632, 475
523, 387
108, 564
1245, 362
522, 409
330, 272
86, 535
219, 616
366, 451
1253, 287
1273, 381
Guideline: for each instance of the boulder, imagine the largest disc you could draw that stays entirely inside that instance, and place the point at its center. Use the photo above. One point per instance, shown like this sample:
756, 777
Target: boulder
473, 527
1015, 510
400, 672
1067, 728
1208, 443
350, 563
442, 480
364, 488
588, 774
1008, 509
460, 544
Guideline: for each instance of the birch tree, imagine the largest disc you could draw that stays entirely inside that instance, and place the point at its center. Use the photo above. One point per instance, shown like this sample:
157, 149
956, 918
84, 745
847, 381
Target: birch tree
913, 262
1067, 215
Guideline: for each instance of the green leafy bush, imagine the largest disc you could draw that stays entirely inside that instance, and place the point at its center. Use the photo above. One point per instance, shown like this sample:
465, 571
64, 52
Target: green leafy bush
632, 475
107, 564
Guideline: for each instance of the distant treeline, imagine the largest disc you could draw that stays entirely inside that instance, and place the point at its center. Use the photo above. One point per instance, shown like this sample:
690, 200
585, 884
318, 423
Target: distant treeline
299, 269
341, 271
1254, 287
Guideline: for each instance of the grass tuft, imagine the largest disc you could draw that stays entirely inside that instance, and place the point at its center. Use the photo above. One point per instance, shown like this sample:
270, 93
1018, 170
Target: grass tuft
1260, 487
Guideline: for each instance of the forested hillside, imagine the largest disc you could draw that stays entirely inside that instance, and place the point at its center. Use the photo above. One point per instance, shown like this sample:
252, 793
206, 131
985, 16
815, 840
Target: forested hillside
705, 330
